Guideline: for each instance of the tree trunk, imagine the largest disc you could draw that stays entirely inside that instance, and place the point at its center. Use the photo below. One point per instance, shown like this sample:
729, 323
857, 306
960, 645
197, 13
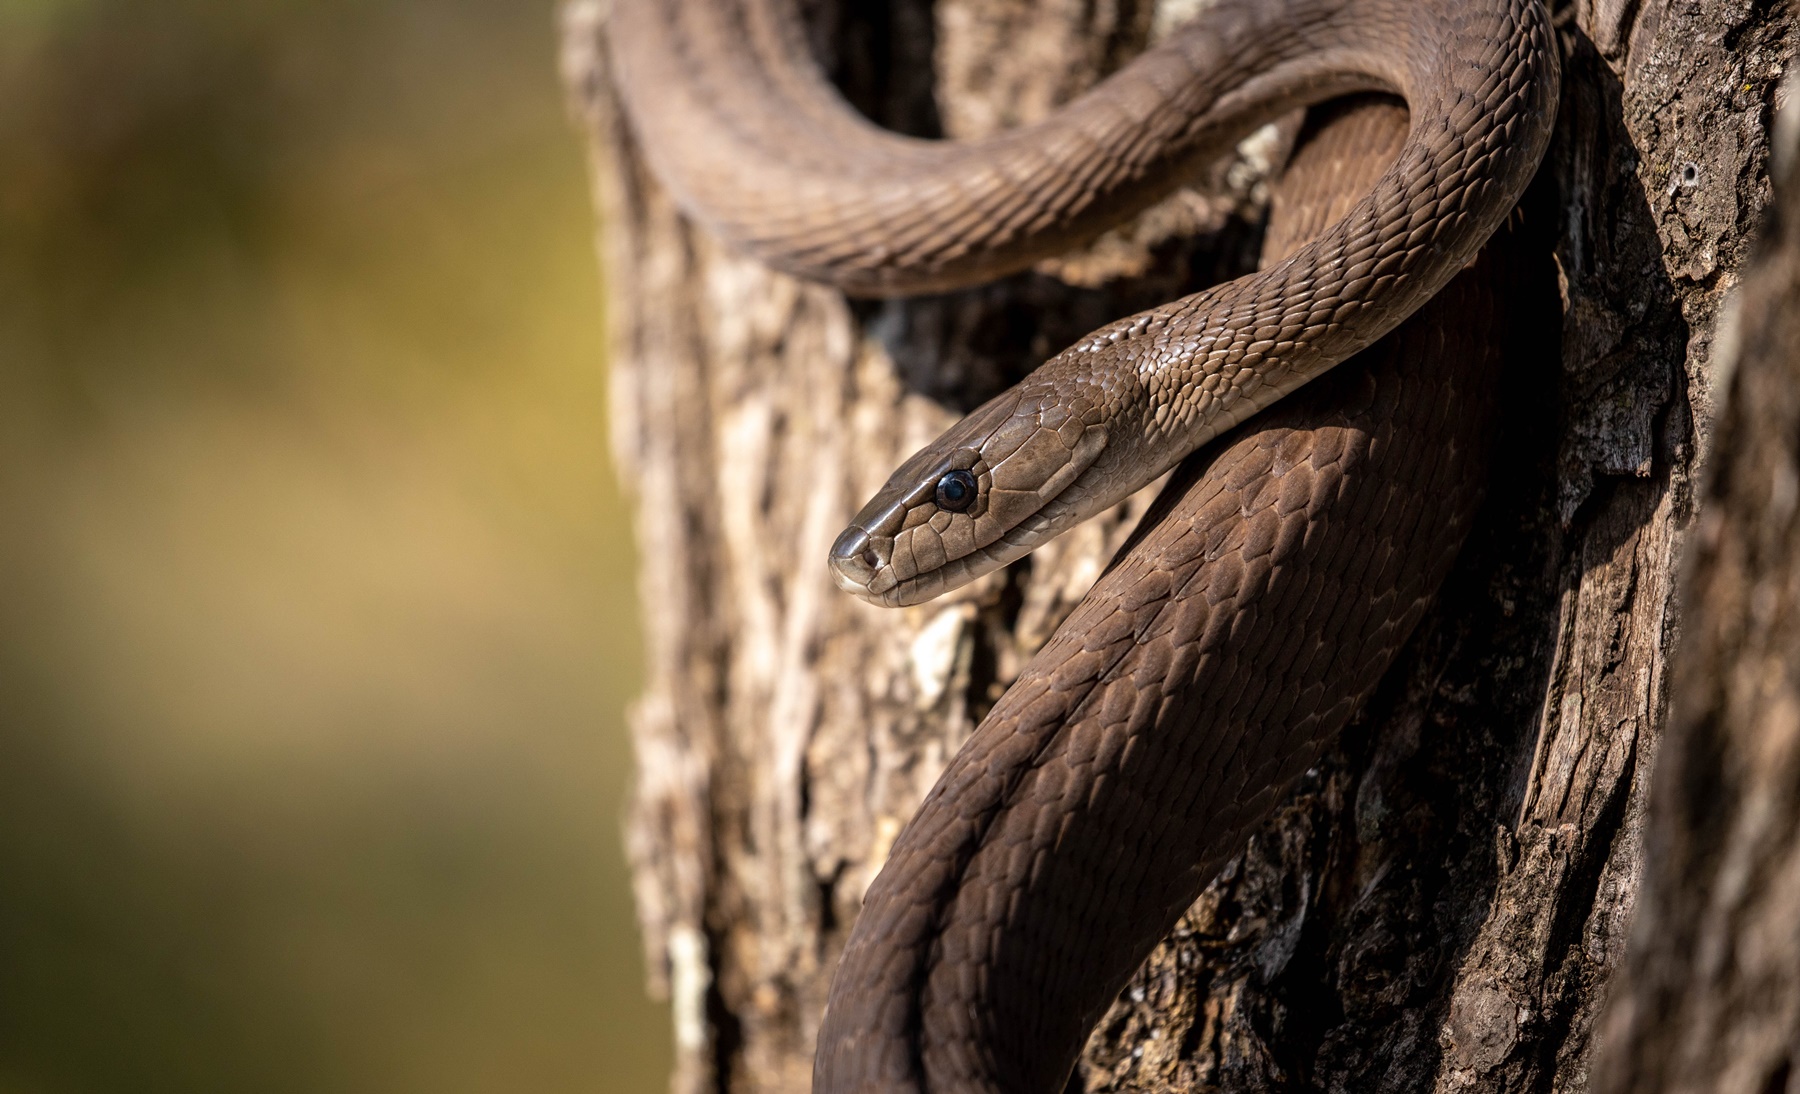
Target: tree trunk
1709, 999
1441, 903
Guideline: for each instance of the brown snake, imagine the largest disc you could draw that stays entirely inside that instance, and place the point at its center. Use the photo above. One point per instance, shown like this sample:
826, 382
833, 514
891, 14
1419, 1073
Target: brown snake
1271, 584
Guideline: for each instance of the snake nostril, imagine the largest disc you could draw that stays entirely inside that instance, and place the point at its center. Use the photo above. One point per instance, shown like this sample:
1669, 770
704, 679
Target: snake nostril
854, 556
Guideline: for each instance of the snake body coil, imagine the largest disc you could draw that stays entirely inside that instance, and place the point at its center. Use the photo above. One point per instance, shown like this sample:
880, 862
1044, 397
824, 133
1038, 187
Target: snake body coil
1273, 583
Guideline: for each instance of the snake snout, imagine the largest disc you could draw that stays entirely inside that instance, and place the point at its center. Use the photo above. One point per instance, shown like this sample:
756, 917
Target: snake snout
855, 560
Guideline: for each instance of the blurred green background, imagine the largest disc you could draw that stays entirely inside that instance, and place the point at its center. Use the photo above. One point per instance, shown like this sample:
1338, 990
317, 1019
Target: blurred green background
318, 620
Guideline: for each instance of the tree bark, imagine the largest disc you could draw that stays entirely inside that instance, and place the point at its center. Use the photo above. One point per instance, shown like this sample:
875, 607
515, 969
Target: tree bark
1709, 998
1442, 902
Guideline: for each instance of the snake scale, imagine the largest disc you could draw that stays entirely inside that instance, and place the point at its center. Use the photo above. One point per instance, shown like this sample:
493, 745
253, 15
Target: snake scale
1275, 577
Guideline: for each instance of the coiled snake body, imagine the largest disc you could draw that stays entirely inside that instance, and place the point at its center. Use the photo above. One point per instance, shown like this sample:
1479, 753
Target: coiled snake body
1269, 587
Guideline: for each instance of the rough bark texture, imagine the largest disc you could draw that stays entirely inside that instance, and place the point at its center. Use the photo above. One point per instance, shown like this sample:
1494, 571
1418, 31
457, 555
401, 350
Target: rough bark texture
1709, 999
1442, 902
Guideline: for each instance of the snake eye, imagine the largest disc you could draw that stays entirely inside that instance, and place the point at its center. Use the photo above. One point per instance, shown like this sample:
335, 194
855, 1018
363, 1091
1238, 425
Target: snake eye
956, 491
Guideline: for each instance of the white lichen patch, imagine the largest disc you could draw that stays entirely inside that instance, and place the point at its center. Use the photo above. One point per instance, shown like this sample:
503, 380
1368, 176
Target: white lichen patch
933, 654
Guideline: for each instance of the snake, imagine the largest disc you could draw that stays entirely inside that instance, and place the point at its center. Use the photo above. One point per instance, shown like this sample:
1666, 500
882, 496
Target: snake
1285, 563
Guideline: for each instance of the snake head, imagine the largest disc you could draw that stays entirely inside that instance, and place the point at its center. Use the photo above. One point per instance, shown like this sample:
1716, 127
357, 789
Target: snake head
990, 489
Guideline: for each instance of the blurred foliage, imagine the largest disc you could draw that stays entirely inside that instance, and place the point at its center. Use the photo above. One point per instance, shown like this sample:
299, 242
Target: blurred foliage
318, 619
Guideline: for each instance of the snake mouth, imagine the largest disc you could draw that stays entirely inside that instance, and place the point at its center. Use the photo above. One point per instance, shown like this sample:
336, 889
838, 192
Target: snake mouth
861, 568
862, 565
